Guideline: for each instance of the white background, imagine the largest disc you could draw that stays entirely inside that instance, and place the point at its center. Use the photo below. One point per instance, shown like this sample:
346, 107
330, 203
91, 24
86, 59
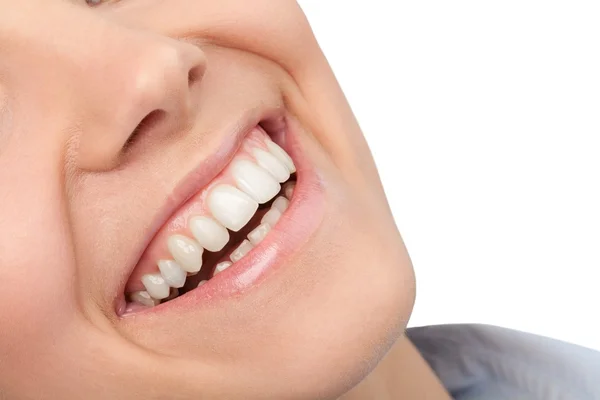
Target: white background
484, 120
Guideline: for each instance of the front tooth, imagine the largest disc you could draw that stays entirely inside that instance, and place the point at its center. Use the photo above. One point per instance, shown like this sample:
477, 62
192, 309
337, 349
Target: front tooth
258, 234
281, 203
174, 275
222, 266
255, 181
231, 207
241, 251
281, 155
271, 217
144, 298
209, 233
288, 190
156, 286
201, 283
186, 252
272, 164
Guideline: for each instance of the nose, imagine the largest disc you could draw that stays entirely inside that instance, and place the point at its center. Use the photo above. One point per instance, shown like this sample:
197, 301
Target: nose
145, 90
160, 85
106, 78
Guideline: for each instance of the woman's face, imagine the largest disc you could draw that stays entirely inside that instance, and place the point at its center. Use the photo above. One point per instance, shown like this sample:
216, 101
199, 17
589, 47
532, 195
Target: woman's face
118, 124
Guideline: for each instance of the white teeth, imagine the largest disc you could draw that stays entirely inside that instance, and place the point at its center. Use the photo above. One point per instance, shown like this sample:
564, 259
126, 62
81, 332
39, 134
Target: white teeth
241, 251
156, 286
288, 190
186, 252
209, 233
271, 217
231, 207
257, 182
258, 234
272, 164
174, 275
222, 266
281, 155
254, 181
281, 203
143, 298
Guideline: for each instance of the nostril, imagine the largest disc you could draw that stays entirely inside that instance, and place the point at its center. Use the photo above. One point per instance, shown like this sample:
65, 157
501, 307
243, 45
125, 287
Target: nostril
146, 124
194, 75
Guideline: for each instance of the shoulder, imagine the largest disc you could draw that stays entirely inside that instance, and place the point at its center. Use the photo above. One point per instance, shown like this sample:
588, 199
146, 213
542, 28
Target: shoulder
481, 361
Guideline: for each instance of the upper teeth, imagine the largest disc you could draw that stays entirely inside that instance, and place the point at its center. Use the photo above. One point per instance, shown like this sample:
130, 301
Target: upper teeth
232, 207
281, 155
156, 286
255, 181
174, 275
209, 233
270, 163
143, 297
187, 252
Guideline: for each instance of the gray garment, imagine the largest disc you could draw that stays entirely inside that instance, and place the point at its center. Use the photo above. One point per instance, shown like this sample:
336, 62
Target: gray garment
480, 362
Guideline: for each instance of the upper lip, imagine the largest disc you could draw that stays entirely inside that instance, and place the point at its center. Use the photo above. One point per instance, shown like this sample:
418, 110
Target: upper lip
202, 175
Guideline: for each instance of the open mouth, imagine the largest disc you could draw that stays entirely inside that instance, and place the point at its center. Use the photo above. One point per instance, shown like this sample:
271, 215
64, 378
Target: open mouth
218, 226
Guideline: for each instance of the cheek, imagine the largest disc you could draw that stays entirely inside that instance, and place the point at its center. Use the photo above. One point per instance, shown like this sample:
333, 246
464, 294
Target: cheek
36, 267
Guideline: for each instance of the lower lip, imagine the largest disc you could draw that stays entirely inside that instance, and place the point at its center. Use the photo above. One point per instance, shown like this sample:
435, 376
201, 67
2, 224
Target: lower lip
293, 230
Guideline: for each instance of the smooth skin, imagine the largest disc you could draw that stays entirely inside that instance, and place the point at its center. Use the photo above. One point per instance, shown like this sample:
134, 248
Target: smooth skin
78, 192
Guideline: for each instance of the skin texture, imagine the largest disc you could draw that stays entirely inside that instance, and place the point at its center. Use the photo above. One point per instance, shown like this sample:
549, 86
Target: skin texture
75, 82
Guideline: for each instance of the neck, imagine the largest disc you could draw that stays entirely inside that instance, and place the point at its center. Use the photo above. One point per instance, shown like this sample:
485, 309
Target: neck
402, 374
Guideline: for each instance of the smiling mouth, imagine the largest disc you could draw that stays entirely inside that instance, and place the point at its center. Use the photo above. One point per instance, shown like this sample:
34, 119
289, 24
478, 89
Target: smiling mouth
218, 227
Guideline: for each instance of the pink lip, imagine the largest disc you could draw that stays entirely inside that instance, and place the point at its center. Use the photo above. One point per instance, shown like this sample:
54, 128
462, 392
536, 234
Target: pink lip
294, 229
198, 178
